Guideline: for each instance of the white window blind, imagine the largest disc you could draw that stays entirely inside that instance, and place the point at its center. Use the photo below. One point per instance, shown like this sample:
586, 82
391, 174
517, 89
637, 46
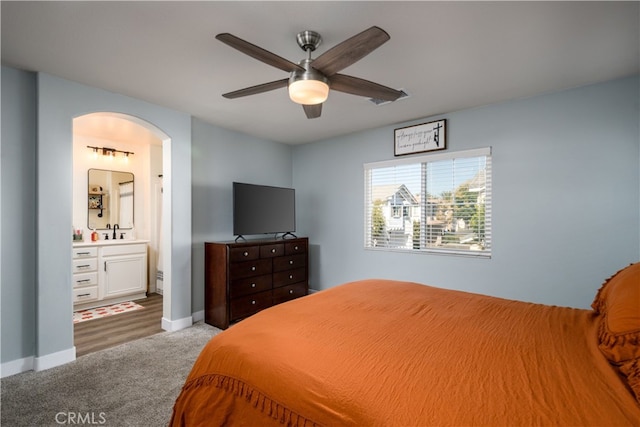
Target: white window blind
439, 203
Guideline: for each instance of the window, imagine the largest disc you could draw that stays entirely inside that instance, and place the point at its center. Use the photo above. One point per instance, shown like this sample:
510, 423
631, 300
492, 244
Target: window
439, 203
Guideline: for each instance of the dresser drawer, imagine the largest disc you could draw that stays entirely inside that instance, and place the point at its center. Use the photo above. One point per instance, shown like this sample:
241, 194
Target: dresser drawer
289, 262
291, 248
244, 254
246, 306
270, 251
289, 277
85, 253
250, 285
84, 265
85, 294
256, 267
286, 293
85, 279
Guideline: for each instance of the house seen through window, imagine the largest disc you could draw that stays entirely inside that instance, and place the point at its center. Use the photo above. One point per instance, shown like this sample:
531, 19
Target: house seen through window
432, 203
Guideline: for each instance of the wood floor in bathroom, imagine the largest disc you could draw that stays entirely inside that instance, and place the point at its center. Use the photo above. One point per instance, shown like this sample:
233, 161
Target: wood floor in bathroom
98, 334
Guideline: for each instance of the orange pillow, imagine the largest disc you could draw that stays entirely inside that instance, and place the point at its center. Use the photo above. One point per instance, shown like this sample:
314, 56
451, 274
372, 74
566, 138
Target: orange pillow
618, 303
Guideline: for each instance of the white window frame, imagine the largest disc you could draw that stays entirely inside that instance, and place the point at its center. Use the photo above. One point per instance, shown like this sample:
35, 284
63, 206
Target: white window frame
368, 203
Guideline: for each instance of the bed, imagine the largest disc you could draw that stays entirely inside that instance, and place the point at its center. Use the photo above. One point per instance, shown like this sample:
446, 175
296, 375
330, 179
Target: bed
383, 352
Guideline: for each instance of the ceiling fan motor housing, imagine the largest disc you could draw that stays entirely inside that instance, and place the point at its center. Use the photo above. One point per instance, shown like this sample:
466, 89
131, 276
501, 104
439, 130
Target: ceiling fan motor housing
308, 40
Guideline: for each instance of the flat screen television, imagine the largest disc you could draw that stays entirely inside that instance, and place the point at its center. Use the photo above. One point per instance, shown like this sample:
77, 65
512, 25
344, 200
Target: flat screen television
262, 209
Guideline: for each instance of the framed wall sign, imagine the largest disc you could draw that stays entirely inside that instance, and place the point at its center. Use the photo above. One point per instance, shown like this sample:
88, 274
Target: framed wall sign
420, 138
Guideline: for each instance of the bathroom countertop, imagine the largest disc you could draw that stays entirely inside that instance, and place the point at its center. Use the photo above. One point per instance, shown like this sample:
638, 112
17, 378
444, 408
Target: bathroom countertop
109, 242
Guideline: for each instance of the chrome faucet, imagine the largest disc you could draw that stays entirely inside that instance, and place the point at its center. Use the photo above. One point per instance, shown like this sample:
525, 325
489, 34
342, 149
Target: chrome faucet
115, 228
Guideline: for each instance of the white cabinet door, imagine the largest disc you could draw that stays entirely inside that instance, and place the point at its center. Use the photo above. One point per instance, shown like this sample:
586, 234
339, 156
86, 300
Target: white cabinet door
124, 274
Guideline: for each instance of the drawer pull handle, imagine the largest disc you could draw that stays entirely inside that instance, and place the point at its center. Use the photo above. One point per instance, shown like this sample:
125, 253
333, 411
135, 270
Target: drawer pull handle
84, 266
253, 302
245, 253
295, 247
291, 291
291, 276
253, 285
291, 262
273, 251
253, 268
83, 295
83, 253
83, 280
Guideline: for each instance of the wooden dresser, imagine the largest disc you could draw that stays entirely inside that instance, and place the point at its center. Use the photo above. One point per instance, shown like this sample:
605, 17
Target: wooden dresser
241, 279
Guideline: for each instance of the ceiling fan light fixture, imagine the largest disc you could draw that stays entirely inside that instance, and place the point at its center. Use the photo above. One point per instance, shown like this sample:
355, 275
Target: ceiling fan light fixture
308, 92
308, 87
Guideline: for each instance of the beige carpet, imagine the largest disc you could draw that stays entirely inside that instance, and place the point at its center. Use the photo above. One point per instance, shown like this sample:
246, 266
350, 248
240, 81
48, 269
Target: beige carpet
134, 384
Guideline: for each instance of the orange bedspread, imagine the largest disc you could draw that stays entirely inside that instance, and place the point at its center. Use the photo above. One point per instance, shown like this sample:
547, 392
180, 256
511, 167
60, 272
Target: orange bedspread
379, 352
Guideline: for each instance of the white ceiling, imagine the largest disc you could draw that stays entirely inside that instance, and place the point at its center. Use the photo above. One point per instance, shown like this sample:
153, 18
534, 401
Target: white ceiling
447, 55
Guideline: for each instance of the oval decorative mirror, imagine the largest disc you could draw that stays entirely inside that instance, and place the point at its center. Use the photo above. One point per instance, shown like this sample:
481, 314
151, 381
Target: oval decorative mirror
110, 199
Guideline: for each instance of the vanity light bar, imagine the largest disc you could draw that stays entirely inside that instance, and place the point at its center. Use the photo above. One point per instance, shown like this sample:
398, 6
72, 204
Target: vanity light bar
109, 151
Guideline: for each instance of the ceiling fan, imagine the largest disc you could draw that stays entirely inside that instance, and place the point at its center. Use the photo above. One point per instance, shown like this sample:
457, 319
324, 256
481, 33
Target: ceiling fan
310, 79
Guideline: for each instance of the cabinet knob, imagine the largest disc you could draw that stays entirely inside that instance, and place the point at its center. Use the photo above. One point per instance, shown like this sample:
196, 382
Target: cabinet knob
291, 291
291, 262
253, 285
291, 276
295, 247
245, 253
273, 251
253, 302
253, 268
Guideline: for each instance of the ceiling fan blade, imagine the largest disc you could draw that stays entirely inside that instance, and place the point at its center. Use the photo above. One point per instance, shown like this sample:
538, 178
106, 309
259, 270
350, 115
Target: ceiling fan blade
258, 53
362, 87
253, 90
350, 51
312, 111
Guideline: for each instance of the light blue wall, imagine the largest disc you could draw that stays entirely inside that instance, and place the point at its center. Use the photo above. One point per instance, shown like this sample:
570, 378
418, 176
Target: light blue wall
566, 197
18, 228
36, 249
566, 208
219, 158
58, 102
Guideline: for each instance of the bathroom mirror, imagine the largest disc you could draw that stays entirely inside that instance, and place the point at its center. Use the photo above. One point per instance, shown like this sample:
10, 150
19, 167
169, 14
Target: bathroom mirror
109, 199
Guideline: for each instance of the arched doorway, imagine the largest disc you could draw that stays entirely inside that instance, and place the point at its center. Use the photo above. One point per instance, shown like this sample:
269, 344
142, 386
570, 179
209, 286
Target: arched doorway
144, 145
58, 102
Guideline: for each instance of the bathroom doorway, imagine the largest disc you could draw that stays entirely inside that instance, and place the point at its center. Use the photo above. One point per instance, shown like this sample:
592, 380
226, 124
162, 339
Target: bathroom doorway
139, 148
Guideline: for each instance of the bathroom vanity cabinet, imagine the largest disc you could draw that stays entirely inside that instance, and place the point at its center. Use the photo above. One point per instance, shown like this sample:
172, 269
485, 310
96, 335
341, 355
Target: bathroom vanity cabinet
123, 269
85, 274
108, 272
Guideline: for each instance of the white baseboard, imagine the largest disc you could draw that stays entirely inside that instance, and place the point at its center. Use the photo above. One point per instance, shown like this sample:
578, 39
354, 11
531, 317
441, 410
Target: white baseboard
48, 361
176, 325
17, 366
197, 316
54, 359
